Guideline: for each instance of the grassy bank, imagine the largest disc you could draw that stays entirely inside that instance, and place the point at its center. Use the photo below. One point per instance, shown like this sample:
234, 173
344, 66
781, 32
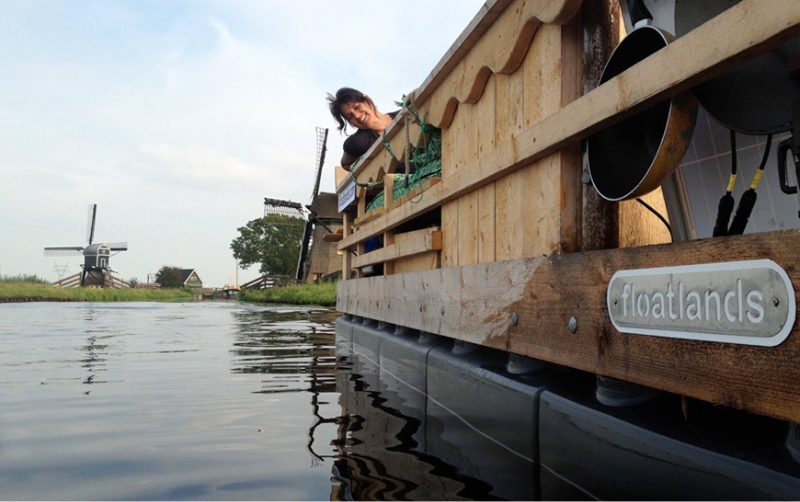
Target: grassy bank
37, 291
323, 294
32, 289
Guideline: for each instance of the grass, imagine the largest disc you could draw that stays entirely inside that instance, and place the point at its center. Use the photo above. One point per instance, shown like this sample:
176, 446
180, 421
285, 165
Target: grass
41, 291
323, 294
31, 288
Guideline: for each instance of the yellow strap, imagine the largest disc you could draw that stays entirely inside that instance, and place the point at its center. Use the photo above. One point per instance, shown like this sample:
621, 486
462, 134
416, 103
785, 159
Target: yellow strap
757, 179
731, 182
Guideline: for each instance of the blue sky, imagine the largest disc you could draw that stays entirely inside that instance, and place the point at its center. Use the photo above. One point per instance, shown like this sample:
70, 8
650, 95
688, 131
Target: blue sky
177, 117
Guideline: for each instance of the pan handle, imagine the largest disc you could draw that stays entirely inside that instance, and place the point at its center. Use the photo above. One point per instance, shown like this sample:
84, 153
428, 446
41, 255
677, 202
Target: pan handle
785, 147
638, 12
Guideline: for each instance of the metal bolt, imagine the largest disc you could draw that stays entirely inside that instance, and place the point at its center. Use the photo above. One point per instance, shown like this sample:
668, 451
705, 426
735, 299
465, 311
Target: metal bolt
776, 302
573, 325
615, 301
514, 319
586, 178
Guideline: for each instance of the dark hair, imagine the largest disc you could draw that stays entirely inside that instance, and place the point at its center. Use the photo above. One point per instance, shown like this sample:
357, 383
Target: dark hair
344, 96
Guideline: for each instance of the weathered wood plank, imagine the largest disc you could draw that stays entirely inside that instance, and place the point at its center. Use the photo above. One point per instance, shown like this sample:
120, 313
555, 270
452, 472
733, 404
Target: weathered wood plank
500, 50
485, 125
424, 261
509, 190
476, 302
468, 204
404, 245
347, 260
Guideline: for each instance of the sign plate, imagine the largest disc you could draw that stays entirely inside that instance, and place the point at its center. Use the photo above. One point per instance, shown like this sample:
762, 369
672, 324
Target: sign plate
347, 196
744, 302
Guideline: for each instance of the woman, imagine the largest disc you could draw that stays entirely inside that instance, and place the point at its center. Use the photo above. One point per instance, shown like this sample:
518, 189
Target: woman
354, 108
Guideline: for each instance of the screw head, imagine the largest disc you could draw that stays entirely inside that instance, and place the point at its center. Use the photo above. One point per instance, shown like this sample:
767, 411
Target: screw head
573, 325
514, 318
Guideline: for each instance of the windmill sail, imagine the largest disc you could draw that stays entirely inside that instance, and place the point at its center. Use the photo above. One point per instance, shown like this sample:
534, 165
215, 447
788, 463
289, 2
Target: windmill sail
90, 223
117, 246
63, 250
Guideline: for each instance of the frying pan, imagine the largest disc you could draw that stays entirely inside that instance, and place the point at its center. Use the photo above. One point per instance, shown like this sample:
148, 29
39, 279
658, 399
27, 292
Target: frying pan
633, 156
755, 97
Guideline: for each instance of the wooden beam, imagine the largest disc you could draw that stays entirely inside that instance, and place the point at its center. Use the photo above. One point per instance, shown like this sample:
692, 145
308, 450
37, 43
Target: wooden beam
476, 303
735, 36
405, 245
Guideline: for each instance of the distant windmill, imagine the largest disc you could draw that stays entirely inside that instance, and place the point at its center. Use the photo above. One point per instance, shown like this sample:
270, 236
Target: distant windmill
95, 255
322, 141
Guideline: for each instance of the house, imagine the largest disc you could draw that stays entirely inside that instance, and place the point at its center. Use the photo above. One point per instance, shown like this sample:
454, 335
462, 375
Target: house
190, 279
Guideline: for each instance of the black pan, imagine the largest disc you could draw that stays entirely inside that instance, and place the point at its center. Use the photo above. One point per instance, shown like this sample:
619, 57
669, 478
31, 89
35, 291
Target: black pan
754, 98
633, 157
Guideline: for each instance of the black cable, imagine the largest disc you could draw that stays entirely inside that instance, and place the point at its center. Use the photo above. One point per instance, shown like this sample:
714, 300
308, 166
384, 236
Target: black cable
726, 202
663, 220
748, 199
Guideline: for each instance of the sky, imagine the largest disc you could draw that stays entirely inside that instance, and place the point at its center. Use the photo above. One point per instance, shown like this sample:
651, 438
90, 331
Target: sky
177, 117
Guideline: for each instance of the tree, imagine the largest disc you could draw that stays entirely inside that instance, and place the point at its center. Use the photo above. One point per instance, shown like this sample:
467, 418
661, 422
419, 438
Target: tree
133, 281
169, 277
273, 241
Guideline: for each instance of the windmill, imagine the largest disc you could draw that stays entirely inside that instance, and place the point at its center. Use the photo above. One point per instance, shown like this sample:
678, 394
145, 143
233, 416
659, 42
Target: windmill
322, 140
95, 255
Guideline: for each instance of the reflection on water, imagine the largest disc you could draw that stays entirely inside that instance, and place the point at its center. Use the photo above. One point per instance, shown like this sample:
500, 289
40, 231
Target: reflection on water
207, 400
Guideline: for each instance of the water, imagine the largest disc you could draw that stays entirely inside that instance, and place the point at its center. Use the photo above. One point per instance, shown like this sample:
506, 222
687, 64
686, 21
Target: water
223, 401
165, 401
206, 400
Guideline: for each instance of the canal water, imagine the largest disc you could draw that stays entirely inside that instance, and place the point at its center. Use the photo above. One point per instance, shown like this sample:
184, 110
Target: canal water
203, 400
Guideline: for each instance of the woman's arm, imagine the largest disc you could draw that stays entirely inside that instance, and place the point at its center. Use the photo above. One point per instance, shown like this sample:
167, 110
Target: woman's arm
347, 160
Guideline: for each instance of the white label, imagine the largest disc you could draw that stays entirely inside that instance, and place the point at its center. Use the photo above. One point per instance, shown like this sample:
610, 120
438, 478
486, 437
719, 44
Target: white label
347, 196
744, 302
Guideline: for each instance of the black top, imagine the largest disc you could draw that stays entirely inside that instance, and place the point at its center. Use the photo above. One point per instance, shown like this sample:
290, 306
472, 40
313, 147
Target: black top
360, 141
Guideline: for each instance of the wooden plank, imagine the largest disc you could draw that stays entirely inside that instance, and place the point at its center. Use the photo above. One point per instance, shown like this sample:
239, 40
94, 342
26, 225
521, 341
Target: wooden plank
540, 214
405, 244
476, 303
468, 203
638, 226
500, 50
347, 256
509, 191
486, 124
571, 158
415, 194
739, 33
368, 216
425, 261
548, 11
487, 205
468, 229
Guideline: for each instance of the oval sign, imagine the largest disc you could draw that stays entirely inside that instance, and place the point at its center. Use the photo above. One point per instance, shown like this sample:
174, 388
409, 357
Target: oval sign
745, 302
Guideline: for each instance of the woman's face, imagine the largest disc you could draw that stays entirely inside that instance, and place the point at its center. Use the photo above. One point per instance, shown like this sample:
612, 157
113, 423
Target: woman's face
359, 114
